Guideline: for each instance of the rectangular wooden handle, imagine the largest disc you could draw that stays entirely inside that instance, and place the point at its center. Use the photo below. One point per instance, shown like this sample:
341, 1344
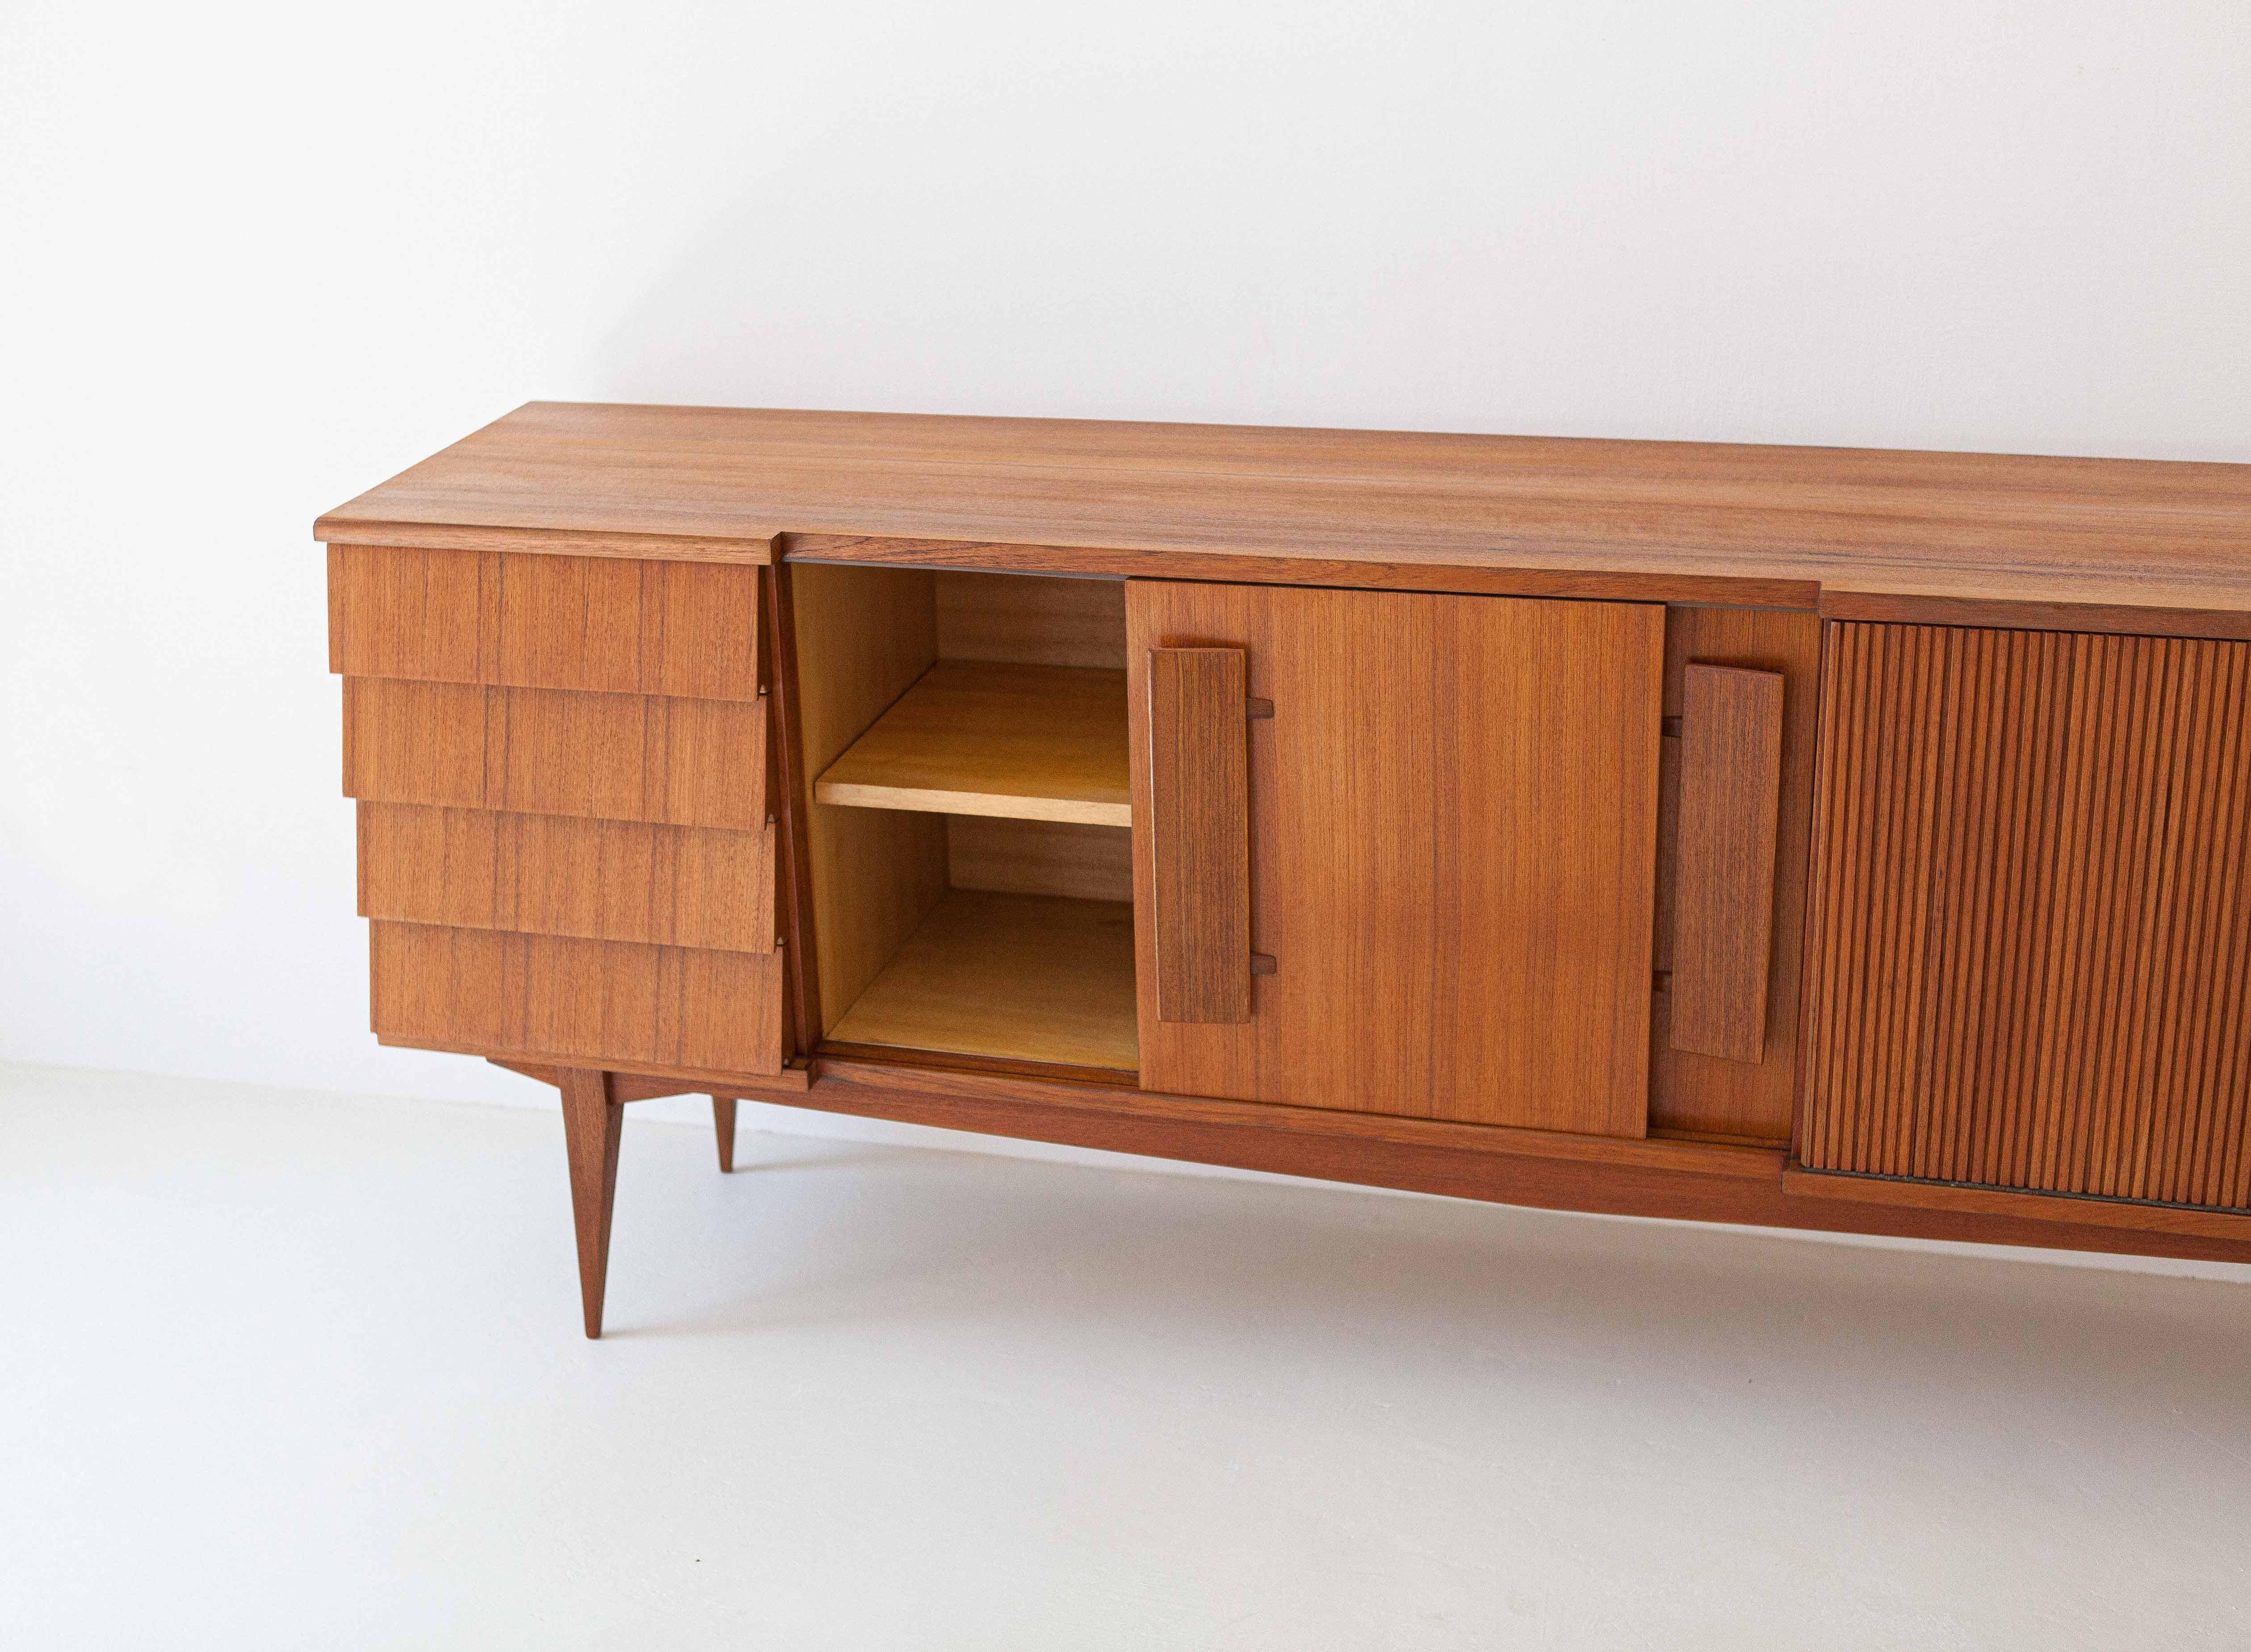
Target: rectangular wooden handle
1730, 804
1199, 833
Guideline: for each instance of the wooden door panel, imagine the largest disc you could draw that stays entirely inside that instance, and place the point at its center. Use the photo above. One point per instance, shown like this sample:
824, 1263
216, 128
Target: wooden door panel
1548, 716
2032, 913
1730, 815
1689, 1092
1453, 825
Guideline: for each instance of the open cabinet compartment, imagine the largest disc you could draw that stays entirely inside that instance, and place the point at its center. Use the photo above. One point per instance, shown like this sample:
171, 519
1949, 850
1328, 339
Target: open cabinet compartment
968, 829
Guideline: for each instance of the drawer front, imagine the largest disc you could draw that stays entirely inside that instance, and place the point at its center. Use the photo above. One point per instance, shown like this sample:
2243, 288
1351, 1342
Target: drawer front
612, 756
561, 764
551, 874
600, 1003
2032, 913
607, 624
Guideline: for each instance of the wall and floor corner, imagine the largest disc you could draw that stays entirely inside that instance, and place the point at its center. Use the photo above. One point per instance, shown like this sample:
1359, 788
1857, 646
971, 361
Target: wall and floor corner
255, 267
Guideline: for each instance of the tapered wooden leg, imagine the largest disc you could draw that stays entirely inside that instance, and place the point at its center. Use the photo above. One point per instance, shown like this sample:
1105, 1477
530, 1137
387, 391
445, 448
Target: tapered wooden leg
723, 1126
590, 1118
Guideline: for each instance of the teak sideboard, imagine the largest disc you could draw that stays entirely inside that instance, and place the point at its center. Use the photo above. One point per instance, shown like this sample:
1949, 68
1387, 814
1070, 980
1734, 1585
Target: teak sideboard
1810, 838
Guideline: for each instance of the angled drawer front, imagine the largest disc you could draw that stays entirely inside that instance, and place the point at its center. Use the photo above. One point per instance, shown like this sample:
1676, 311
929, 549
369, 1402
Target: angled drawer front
561, 768
610, 756
2030, 955
523, 620
551, 874
486, 991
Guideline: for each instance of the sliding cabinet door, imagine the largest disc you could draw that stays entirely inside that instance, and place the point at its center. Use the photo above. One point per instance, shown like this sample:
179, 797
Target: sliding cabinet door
1394, 853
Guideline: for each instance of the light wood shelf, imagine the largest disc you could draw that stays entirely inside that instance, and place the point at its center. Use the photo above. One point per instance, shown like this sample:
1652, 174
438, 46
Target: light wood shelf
1030, 743
1032, 977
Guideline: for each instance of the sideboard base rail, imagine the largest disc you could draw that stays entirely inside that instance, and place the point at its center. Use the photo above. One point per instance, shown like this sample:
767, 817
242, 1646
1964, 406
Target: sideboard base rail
1674, 1180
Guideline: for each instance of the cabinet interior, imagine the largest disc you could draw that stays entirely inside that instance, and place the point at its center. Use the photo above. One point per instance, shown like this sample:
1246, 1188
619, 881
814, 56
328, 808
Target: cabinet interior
969, 828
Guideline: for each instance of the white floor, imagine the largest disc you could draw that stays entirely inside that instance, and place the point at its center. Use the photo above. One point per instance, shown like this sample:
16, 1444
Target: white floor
293, 1371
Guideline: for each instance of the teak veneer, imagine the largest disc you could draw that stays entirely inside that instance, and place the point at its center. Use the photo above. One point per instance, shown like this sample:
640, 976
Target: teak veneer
1852, 841
1029, 743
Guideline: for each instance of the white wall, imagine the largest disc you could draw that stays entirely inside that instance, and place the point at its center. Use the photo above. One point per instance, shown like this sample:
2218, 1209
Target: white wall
257, 259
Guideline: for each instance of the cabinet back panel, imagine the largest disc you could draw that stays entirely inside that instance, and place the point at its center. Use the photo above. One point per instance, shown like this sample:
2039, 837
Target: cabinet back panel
1039, 857
1029, 621
2032, 932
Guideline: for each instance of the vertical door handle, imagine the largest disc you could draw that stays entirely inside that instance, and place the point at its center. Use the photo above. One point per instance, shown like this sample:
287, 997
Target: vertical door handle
1730, 805
1199, 833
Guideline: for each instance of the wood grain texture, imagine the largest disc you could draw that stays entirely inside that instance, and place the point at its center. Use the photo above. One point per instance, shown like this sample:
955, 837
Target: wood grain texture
1730, 813
591, 1128
1034, 977
1039, 857
1708, 1096
1681, 1180
499, 992
688, 630
1452, 829
552, 874
861, 638
1545, 748
723, 1130
1031, 742
756, 550
614, 757
2232, 1226
792, 840
2032, 926
1027, 621
1652, 521
1199, 831
650, 1084
1529, 576
2028, 613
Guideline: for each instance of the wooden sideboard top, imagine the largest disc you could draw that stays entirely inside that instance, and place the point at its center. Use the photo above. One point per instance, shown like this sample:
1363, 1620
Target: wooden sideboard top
1872, 534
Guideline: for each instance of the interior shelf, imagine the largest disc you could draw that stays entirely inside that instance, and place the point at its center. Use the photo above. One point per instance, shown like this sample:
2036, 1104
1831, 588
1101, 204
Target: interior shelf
1031, 742
1031, 977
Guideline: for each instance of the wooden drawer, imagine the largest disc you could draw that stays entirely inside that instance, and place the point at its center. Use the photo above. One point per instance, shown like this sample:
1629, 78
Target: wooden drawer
552, 874
602, 1002
531, 620
613, 756
2032, 913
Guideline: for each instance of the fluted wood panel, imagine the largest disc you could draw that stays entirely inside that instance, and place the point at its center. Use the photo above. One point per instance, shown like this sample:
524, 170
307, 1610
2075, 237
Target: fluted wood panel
2032, 930
490, 991
610, 756
551, 875
539, 621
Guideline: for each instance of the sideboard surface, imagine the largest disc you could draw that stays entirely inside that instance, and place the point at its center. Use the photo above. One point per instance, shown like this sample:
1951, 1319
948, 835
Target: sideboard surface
1818, 838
